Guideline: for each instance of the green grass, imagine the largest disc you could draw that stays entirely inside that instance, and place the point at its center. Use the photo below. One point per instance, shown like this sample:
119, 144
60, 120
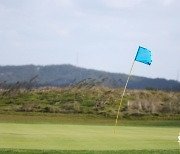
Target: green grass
47, 133
84, 119
15, 151
86, 137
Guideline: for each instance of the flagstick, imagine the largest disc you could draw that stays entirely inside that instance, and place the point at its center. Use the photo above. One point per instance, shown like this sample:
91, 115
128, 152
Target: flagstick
123, 96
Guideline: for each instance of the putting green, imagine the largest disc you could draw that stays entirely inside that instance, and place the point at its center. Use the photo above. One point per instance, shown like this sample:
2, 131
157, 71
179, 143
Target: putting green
86, 137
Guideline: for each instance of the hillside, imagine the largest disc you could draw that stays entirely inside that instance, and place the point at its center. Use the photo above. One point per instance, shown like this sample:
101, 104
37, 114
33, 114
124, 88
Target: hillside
95, 100
65, 75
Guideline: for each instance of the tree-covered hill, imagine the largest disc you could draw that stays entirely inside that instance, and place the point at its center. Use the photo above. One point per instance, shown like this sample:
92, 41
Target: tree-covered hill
65, 75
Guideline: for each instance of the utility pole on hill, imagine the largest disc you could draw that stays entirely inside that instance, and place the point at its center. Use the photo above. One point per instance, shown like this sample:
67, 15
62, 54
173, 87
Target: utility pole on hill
77, 59
178, 75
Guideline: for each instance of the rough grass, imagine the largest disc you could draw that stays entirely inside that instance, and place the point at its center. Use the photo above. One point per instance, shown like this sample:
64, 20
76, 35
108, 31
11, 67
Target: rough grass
96, 100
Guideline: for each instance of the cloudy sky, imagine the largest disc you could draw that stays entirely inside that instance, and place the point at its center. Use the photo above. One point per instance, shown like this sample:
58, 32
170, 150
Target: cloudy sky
101, 34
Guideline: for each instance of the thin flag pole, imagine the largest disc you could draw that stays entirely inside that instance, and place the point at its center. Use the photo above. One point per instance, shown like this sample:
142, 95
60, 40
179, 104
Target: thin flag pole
123, 96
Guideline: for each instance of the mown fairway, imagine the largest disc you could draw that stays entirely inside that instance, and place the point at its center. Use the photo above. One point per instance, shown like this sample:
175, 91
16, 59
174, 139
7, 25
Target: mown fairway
86, 137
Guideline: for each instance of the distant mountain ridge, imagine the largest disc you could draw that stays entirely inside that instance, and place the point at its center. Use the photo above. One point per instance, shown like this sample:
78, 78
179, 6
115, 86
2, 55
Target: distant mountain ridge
65, 75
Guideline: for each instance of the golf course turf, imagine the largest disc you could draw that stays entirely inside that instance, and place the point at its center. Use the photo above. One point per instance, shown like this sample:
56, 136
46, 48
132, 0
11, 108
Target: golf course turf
26, 133
86, 138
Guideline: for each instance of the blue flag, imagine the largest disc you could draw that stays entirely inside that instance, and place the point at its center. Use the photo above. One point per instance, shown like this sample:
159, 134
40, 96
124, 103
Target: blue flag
144, 56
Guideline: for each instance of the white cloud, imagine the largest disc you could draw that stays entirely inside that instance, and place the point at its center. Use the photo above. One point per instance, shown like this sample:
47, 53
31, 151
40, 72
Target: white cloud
118, 4
57, 30
59, 3
167, 2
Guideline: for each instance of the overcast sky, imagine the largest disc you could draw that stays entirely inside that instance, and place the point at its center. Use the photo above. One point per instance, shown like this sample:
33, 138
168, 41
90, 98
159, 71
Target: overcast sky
103, 34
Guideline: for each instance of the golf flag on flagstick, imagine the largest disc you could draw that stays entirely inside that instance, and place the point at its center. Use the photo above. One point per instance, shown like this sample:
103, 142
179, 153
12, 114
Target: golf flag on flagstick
144, 56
